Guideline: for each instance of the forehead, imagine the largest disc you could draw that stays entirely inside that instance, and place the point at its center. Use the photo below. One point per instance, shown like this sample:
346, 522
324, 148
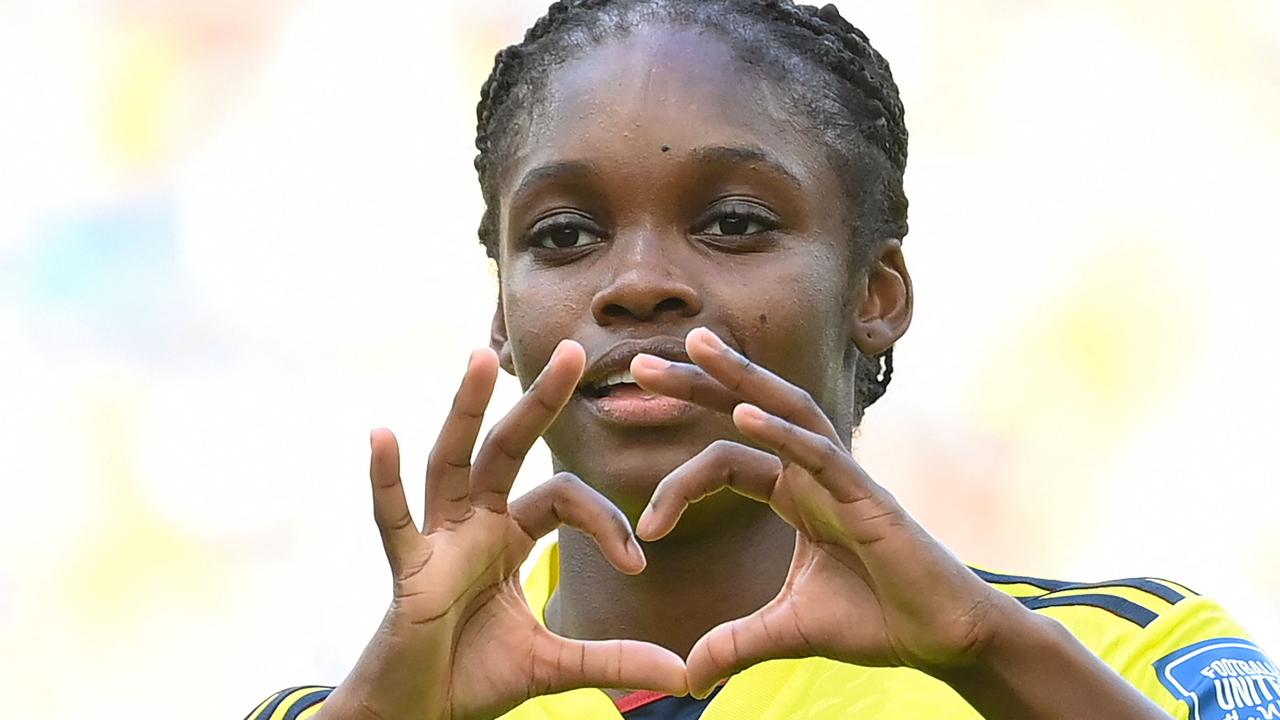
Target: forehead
662, 86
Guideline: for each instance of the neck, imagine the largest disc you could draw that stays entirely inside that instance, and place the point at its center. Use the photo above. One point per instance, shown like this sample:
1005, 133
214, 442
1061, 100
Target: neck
694, 581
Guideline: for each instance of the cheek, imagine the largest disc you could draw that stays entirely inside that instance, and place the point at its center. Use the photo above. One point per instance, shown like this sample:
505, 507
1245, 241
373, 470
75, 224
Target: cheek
801, 294
538, 316
791, 320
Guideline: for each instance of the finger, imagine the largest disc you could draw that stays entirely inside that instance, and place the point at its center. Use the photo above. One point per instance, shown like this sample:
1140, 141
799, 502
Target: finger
685, 381
449, 465
504, 450
390, 509
723, 464
630, 664
769, 633
755, 384
827, 461
566, 500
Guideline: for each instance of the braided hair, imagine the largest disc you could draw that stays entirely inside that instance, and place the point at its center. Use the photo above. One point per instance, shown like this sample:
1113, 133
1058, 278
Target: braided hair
841, 83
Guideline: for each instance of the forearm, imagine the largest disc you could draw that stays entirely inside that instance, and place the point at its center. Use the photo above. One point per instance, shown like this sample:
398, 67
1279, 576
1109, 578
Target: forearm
1034, 669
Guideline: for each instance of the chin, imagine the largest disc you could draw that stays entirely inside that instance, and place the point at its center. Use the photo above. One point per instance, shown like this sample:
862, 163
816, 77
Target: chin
626, 465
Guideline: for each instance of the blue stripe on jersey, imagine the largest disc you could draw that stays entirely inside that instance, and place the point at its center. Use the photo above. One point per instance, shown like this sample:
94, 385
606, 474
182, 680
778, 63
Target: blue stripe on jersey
1160, 590
1043, 584
307, 701
278, 698
275, 703
1117, 606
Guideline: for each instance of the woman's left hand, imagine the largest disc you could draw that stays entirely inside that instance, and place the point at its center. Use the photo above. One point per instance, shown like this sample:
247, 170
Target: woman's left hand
867, 584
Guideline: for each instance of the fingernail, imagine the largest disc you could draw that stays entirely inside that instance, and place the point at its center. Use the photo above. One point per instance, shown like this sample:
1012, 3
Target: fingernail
643, 524
650, 362
749, 411
633, 547
565, 344
712, 340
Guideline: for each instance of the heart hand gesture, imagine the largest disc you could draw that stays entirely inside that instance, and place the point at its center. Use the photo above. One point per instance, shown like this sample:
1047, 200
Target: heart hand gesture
867, 585
459, 641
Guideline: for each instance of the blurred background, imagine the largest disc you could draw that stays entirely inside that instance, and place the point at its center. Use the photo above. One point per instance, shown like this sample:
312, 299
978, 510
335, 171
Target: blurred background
237, 234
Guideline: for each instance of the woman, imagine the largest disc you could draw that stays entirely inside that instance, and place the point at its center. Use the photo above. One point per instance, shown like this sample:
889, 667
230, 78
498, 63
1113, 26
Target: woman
696, 210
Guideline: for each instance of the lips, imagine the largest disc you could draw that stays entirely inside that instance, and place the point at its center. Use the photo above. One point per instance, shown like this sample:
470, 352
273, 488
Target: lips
615, 363
615, 382
610, 390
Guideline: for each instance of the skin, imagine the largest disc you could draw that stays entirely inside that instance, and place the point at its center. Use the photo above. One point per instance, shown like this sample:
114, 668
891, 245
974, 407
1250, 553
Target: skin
773, 294
804, 555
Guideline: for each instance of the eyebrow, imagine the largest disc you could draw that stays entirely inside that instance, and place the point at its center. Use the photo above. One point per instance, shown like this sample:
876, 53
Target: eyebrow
744, 155
551, 171
709, 154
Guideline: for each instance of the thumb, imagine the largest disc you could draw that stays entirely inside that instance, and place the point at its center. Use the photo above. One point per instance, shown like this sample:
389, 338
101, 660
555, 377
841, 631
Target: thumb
769, 633
626, 664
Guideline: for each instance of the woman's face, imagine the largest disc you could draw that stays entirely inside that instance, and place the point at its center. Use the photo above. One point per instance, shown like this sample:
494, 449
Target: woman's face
663, 186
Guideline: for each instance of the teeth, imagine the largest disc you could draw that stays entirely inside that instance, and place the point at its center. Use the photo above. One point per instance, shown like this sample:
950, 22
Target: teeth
619, 378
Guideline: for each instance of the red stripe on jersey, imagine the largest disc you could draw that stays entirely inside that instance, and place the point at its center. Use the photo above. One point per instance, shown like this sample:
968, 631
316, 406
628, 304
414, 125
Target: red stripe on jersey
638, 699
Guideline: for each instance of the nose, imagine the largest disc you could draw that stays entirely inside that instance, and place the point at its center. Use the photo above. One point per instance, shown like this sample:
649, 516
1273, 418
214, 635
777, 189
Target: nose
645, 285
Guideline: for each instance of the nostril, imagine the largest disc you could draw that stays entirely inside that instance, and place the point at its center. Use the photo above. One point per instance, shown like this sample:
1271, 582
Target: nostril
613, 310
670, 305
638, 296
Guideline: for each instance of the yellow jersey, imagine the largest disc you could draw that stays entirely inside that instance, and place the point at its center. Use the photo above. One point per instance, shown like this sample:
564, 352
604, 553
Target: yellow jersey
1182, 650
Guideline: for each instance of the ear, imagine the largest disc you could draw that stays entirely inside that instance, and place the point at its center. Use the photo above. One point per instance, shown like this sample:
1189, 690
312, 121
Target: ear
881, 310
498, 340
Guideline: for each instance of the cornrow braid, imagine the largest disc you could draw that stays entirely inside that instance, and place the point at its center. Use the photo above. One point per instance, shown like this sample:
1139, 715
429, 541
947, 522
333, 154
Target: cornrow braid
849, 55
852, 105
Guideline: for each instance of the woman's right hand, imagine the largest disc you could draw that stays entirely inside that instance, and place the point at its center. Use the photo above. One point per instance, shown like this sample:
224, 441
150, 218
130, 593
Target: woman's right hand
459, 641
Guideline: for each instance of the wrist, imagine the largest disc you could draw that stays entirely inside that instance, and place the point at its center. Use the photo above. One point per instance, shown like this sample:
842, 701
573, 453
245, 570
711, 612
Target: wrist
1031, 667
1010, 674
1009, 637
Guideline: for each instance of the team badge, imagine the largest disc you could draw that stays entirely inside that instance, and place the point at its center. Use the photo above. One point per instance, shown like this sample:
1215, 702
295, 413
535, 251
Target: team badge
1223, 679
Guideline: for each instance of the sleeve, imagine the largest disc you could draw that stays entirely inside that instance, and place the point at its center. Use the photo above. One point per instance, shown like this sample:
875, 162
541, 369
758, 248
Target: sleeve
1198, 663
295, 703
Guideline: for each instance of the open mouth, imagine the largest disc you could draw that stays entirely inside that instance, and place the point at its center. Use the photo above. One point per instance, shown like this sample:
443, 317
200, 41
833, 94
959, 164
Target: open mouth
620, 401
614, 385
611, 393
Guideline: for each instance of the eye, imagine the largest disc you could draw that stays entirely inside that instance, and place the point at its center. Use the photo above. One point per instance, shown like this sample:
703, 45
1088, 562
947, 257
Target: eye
733, 224
737, 219
564, 237
564, 233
